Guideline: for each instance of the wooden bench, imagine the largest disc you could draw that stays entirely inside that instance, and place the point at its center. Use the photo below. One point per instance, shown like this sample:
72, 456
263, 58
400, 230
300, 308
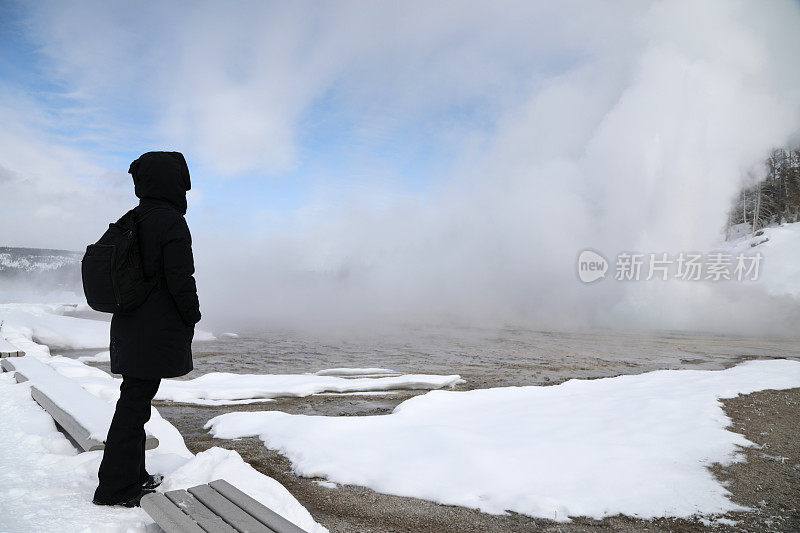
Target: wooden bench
81, 415
218, 507
9, 350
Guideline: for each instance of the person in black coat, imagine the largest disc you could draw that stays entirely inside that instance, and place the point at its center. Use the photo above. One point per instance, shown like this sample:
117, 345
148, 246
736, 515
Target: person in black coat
153, 341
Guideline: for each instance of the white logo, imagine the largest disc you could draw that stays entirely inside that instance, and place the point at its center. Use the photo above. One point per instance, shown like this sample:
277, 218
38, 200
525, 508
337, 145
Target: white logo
591, 266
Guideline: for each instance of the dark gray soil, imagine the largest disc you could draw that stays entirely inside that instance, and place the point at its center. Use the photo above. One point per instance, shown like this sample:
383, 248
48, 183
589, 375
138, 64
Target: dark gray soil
768, 482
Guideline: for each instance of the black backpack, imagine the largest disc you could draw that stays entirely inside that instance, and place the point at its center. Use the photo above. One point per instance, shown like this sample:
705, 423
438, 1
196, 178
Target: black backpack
113, 279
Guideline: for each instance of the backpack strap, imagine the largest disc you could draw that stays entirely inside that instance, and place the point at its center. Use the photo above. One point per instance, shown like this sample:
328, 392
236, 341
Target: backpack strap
158, 280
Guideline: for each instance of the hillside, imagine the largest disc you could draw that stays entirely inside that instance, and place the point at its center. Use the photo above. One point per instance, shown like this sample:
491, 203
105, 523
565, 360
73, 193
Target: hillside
39, 270
779, 246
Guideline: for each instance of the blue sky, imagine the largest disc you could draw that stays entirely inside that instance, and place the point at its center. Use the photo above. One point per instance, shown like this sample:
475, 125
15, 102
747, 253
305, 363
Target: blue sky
338, 141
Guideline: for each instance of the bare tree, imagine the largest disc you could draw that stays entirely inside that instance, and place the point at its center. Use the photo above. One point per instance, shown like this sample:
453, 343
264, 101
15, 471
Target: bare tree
775, 199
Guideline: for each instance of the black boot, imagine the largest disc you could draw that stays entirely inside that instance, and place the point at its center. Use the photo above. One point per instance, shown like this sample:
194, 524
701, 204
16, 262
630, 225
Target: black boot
131, 502
152, 481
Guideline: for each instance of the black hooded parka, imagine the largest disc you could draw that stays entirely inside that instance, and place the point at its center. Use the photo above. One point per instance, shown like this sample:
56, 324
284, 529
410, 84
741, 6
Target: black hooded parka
155, 340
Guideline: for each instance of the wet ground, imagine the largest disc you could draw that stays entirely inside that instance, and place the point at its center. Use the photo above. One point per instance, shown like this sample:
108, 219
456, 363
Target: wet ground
485, 357
768, 482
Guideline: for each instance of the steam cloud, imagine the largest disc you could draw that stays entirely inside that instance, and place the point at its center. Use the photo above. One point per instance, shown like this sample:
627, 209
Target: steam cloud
625, 126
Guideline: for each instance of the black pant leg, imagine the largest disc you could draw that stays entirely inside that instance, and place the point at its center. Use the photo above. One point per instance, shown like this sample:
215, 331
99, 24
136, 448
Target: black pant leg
122, 469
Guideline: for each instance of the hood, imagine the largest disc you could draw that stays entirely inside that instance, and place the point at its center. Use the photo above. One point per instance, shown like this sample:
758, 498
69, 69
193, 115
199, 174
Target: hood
162, 176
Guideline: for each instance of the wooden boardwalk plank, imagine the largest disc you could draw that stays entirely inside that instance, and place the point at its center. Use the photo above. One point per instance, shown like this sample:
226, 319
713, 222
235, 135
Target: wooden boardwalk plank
263, 514
47, 384
201, 514
8, 366
228, 511
168, 516
71, 426
66, 421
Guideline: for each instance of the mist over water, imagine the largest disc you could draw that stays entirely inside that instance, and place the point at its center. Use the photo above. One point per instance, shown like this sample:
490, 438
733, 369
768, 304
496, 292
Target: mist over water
639, 147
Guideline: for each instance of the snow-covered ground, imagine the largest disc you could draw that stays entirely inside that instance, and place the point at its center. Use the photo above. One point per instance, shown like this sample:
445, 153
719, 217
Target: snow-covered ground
45, 485
638, 445
356, 372
102, 357
49, 324
780, 250
217, 387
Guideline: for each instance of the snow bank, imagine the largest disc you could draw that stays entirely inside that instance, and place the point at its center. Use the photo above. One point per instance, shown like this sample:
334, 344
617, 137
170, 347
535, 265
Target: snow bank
357, 372
202, 336
780, 264
102, 357
21, 337
94, 416
44, 484
219, 386
7, 348
47, 324
218, 463
638, 445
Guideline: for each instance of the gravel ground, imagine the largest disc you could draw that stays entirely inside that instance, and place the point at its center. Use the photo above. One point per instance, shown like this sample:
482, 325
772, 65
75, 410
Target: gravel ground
768, 482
